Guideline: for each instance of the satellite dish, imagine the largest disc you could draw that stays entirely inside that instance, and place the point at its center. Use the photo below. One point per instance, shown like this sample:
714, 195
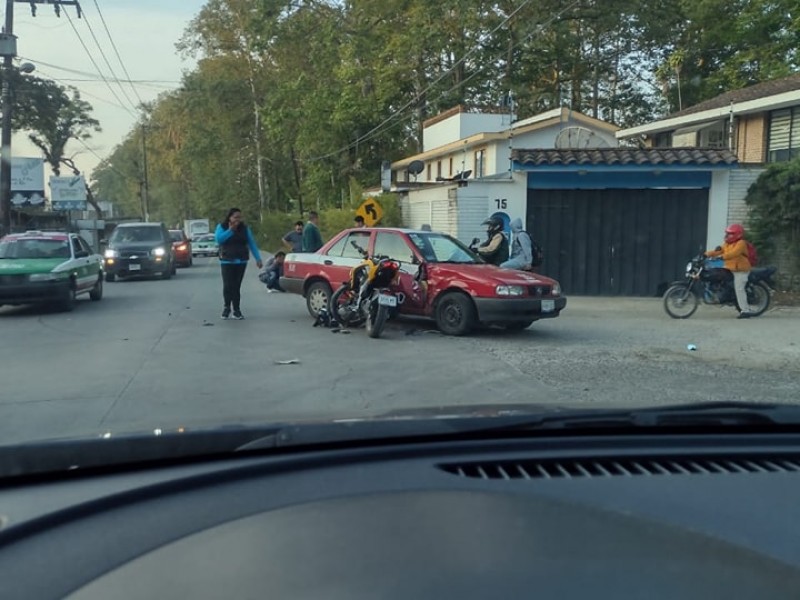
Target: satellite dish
578, 138
416, 167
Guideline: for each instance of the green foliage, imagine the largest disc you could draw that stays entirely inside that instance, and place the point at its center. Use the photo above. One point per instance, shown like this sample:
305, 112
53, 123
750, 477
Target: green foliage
774, 201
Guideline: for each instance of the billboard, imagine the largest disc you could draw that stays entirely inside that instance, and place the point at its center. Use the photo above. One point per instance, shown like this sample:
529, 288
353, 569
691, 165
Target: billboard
68, 193
27, 182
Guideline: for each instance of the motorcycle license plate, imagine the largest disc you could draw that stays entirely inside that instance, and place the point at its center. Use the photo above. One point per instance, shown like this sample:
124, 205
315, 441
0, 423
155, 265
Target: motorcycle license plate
548, 305
134, 267
384, 300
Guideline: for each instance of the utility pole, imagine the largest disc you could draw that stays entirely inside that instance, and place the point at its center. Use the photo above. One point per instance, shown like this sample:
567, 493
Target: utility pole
145, 198
8, 42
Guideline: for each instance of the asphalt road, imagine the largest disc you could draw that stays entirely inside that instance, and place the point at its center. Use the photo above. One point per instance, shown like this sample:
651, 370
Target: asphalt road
155, 354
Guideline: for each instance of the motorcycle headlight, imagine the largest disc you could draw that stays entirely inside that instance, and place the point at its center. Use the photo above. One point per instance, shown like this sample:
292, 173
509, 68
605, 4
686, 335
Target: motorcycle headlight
159, 251
509, 290
109, 253
689, 267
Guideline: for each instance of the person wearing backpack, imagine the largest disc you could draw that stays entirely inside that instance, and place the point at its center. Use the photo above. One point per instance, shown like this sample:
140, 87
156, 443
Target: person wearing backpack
521, 248
735, 251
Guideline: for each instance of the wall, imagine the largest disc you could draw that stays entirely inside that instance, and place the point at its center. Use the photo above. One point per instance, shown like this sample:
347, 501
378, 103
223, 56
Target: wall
718, 207
481, 199
460, 126
740, 182
435, 206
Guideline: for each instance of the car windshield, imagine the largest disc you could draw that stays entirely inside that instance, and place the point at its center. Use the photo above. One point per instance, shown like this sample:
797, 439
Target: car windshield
540, 173
438, 247
123, 235
34, 248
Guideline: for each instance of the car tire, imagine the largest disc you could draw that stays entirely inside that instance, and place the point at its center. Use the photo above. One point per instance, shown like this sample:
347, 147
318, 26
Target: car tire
166, 274
67, 303
317, 297
455, 314
97, 291
110, 277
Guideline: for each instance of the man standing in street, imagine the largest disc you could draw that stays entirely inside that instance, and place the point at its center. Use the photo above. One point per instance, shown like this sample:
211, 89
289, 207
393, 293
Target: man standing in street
312, 238
358, 222
294, 239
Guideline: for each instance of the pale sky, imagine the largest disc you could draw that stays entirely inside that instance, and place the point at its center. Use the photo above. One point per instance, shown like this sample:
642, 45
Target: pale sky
145, 33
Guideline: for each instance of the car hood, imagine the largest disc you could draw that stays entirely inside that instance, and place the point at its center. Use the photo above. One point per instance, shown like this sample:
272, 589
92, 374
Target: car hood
28, 266
482, 273
134, 246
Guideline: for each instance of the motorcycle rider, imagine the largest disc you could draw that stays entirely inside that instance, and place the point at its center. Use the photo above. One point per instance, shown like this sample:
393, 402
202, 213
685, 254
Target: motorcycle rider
495, 249
521, 248
735, 254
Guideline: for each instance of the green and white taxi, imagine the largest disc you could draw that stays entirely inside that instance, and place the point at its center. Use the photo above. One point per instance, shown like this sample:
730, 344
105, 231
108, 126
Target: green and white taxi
53, 267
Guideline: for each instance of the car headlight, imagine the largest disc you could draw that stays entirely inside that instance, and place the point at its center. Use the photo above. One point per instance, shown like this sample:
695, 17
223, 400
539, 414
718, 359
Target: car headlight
109, 253
45, 277
556, 289
159, 252
510, 290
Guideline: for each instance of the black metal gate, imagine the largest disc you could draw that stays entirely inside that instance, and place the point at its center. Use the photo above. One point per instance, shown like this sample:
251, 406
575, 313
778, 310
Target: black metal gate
617, 242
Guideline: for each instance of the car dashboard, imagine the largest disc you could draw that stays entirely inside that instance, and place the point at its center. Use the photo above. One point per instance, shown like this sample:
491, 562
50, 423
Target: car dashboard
561, 516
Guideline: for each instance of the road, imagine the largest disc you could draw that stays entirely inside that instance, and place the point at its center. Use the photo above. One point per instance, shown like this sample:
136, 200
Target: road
155, 354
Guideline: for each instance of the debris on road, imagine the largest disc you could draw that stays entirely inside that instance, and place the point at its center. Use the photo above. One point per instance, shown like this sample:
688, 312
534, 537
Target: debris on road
291, 361
691, 347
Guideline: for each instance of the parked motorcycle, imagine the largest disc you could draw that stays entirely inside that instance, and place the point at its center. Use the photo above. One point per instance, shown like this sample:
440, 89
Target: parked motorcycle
706, 281
368, 296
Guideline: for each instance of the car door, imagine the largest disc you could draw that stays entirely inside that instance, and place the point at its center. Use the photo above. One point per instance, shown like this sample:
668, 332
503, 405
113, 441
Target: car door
343, 256
85, 270
395, 245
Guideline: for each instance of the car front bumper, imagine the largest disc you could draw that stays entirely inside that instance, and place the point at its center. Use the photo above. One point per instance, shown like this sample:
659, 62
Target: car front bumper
508, 310
205, 251
125, 266
33, 293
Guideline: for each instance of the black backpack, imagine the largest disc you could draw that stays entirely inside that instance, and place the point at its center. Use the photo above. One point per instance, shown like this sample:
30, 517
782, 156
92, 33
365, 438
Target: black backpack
537, 255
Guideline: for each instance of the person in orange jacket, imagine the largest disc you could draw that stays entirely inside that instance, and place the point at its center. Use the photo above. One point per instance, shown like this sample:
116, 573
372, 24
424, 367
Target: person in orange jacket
734, 252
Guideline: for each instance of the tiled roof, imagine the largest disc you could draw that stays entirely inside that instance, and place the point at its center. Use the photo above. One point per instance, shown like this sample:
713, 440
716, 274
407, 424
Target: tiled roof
753, 92
626, 156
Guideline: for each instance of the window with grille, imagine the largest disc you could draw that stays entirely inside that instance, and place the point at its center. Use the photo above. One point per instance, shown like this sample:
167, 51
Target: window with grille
784, 135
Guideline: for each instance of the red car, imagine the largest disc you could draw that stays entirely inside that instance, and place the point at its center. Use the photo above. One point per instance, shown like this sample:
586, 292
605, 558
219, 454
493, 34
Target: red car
182, 246
440, 278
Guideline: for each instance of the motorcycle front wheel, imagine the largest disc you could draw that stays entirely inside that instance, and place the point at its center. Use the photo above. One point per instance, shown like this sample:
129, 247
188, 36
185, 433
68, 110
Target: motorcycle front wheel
376, 319
680, 302
342, 307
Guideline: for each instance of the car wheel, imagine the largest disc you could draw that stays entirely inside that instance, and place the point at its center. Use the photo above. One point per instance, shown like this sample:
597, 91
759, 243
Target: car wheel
455, 314
174, 270
166, 274
97, 291
317, 297
67, 303
110, 277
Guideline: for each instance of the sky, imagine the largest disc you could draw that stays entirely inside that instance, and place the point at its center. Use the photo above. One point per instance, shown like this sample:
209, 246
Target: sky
145, 33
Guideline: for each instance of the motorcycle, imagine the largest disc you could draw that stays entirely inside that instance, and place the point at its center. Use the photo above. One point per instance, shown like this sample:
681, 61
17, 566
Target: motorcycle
707, 281
367, 296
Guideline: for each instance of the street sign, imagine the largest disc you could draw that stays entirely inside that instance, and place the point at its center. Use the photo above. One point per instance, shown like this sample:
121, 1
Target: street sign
371, 211
27, 181
68, 193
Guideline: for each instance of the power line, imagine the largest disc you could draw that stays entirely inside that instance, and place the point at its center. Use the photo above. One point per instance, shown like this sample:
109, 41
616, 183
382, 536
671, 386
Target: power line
110, 166
108, 63
84, 92
116, 51
95, 76
99, 71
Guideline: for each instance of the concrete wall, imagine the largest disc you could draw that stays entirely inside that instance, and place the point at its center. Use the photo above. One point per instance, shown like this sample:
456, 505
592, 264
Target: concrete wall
740, 182
460, 126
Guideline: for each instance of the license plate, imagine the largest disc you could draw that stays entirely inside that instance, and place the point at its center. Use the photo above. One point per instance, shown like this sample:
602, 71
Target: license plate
548, 305
384, 300
134, 267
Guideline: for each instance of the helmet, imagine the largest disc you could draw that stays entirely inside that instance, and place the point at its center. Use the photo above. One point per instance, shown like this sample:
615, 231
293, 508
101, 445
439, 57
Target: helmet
733, 233
493, 225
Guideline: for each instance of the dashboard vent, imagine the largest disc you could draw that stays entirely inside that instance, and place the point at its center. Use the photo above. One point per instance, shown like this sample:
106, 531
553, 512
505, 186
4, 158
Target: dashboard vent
624, 467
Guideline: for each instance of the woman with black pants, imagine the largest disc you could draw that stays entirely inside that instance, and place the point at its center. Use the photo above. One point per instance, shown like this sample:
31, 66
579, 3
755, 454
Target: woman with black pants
235, 242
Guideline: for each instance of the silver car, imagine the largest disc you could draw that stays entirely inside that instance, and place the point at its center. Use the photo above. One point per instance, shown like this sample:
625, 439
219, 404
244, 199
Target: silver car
205, 245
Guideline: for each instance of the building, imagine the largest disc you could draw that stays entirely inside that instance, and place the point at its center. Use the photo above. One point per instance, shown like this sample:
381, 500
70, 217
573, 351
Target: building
611, 220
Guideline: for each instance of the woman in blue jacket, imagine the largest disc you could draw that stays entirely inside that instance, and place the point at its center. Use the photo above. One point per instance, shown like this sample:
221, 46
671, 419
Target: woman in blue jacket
235, 242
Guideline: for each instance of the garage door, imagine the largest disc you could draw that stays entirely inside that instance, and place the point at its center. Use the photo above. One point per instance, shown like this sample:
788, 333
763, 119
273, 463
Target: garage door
617, 242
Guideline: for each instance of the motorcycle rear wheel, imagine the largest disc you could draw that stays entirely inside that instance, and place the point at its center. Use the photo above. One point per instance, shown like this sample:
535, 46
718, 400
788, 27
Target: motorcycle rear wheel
376, 319
758, 297
680, 302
